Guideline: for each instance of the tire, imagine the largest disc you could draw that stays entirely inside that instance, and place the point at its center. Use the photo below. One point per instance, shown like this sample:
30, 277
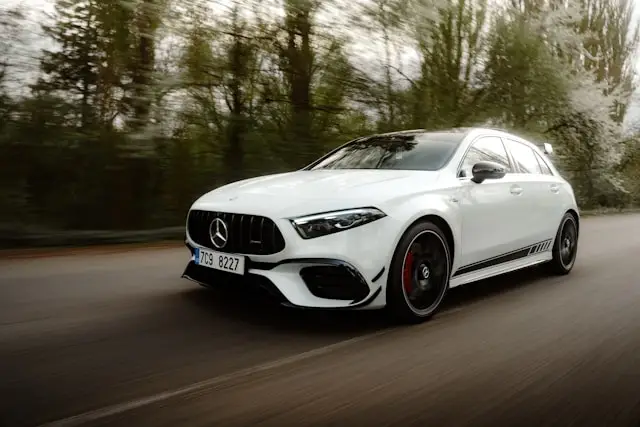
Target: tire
419, 274
564, 257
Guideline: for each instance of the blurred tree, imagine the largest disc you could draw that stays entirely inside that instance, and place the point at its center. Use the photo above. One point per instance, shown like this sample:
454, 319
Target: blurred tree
520, 66
145, 17
143, 105
297, 59
74, 70
386, 17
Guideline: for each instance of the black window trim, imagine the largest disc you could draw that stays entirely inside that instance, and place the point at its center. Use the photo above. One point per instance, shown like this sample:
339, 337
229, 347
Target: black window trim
476, 139
539, 158
535, 155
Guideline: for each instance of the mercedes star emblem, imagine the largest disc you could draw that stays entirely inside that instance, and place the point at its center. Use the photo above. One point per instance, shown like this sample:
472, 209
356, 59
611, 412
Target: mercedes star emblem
218, 233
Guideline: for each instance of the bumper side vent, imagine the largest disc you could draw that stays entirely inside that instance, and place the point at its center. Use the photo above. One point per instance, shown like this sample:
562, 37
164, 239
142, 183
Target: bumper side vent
334, 282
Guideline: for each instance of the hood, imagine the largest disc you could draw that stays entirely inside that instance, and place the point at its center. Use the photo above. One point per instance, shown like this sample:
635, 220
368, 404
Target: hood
304, 192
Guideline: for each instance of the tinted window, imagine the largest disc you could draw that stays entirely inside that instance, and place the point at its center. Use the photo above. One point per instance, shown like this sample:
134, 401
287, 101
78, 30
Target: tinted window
524, 157
543, 165
427, 151
489, 148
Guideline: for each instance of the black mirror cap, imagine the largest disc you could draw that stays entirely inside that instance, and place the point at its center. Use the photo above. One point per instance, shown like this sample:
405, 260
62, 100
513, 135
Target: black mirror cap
487, 170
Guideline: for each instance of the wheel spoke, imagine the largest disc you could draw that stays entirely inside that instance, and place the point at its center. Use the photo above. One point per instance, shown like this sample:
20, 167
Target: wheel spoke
425, 272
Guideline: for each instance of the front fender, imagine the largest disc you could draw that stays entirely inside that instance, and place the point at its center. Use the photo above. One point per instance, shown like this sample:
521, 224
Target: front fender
443, 206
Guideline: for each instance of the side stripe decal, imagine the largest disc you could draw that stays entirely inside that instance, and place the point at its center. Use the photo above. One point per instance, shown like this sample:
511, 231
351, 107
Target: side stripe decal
536, 248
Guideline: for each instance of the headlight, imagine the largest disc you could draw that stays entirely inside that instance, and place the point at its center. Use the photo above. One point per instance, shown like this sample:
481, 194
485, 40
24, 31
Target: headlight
311, 226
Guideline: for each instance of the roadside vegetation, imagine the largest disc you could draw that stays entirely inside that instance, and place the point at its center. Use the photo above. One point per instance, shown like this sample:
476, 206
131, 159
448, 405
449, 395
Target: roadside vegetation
116, 115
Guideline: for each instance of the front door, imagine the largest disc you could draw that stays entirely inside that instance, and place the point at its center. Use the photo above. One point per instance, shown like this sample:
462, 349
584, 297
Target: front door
491, 211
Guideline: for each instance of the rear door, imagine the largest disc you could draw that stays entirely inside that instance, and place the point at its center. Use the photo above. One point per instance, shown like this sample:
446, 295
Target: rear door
539, 188
556, 194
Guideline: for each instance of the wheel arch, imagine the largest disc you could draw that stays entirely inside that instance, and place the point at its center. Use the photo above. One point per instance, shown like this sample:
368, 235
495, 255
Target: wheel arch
391, 295
443, 225
576, 217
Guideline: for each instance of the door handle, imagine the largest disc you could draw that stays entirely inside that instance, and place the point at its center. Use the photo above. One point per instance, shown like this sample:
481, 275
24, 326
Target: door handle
516, 190
554, 188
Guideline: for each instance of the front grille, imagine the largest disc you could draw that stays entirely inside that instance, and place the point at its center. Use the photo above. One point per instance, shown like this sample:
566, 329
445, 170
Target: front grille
248, 234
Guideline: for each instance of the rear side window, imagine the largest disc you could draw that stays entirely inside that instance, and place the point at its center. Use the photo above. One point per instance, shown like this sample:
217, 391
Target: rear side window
544, 167
524, 157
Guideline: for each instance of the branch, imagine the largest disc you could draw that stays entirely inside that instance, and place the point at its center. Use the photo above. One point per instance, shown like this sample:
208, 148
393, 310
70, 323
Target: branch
397, 70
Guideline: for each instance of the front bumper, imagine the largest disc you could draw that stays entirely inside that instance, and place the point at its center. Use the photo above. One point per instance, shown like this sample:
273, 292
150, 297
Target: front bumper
346, 270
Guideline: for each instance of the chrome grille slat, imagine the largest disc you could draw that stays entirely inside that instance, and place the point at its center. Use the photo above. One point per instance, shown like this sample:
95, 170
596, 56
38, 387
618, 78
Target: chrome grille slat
243, 231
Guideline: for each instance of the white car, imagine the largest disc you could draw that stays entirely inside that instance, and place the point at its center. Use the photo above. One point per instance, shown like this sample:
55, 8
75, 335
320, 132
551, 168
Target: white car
391, 220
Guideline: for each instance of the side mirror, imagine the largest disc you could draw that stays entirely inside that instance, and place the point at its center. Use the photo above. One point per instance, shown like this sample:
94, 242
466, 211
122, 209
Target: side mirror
548, 148
487, 170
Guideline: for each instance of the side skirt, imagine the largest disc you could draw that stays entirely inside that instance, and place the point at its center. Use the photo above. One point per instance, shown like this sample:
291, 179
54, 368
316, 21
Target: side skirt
521, 258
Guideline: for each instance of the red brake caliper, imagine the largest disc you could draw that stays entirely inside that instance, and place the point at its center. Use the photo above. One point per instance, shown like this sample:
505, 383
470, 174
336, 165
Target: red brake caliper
408, 268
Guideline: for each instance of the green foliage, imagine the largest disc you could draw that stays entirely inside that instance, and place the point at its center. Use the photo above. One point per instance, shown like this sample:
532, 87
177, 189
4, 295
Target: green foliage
142, 106
521, 66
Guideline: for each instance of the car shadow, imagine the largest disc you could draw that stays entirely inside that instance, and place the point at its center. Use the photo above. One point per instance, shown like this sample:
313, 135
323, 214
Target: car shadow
257, 309
473, 293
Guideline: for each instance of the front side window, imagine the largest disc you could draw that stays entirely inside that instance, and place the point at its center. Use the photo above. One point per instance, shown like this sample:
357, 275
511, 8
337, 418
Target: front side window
488, 148
524, 157
425, 151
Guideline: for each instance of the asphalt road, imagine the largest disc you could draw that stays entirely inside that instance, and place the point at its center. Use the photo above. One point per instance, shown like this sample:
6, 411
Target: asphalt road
118, 339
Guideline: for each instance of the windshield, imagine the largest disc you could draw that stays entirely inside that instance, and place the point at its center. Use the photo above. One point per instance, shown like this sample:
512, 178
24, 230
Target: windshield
426, 151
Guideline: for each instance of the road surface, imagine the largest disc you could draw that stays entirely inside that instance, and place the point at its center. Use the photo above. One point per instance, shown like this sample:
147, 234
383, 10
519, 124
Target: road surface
118, 339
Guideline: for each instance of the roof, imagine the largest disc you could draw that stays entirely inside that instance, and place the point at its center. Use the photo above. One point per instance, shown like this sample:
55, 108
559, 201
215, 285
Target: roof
463, 130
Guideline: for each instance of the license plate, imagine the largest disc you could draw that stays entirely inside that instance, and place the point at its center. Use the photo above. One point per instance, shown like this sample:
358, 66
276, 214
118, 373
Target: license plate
220, 261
